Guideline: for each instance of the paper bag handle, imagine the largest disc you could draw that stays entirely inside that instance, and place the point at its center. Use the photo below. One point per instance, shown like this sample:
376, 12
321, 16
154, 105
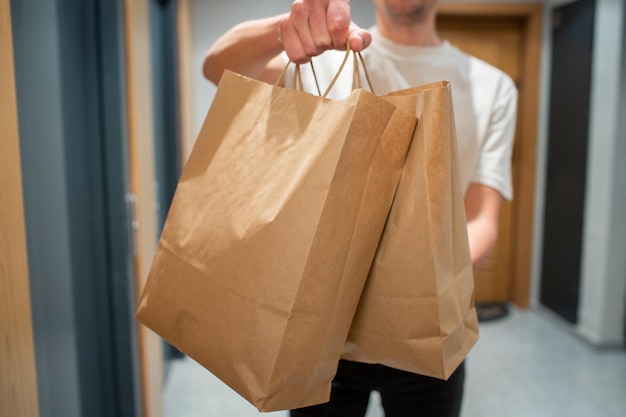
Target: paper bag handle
356, 74
297, 77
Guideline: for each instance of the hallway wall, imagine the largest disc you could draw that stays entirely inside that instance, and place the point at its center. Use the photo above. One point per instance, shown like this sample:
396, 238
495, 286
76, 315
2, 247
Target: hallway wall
72, 133
46, 205
602, 305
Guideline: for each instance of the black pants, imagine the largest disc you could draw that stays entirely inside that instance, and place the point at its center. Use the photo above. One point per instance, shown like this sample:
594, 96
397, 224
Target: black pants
403, 394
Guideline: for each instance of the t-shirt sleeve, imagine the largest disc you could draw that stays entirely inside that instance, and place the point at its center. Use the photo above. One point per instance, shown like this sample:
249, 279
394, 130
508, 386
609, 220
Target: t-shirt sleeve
494, 162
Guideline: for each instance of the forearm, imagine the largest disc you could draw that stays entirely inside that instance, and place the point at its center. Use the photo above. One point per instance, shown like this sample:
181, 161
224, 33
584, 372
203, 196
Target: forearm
251, 48
311, 27
482, 208
482, 236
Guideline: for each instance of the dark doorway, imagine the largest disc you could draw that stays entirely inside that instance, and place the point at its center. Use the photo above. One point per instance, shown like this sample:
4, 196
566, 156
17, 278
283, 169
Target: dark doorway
567, 156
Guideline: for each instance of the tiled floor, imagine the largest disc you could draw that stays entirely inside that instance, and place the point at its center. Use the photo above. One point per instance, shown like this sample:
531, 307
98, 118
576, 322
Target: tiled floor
526, 365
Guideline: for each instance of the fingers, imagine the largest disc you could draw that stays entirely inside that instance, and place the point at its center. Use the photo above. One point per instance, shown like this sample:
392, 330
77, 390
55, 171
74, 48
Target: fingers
314, 26
292, 45
359, 38
338, 22
320, 35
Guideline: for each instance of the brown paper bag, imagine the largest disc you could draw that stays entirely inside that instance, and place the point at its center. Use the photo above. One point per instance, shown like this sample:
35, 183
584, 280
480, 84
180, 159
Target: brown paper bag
417, 309
271, 233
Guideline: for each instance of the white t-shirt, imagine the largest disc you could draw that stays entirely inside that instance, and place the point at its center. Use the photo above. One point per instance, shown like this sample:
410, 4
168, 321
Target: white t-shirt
484, 99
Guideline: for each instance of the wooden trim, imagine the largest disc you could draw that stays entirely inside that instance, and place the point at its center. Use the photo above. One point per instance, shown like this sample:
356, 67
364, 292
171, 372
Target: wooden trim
521, 10
18, 378
142, 181
531, 16
528, 119
184, 39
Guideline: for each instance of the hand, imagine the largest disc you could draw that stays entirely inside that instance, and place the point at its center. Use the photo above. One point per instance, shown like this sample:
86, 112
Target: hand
314, 26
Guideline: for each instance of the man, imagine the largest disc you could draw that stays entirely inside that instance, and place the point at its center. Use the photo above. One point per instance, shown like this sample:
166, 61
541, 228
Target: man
401, 51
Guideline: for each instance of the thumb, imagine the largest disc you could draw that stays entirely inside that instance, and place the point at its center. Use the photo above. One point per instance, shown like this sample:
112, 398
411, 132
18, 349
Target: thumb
359, 38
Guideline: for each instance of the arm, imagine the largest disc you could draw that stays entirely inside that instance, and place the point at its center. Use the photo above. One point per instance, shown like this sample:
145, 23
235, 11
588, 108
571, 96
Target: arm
482, 208
491, 183
253, 48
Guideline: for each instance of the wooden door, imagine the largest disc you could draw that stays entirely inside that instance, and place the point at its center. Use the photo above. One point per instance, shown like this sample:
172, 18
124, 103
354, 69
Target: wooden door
18, 379
500, 37
496, 41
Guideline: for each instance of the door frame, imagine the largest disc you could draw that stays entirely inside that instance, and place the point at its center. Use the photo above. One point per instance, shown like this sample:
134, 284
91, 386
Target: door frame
531, 18
142, 176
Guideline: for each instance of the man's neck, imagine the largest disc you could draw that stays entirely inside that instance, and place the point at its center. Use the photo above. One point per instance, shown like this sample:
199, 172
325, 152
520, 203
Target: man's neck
415, 34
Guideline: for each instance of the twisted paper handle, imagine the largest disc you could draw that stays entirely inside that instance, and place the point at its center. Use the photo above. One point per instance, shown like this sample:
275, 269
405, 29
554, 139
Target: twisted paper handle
297, 77
356, 75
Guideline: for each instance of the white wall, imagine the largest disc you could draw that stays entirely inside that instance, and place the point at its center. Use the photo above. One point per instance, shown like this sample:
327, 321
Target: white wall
603, 281
210, 20
603, 294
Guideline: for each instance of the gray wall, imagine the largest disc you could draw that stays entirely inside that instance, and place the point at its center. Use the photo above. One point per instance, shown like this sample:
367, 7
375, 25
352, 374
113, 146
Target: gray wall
46, 205
72, 137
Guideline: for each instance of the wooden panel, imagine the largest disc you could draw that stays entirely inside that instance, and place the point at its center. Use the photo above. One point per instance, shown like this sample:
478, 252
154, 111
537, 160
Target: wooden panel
496, 41
18, 381
509, 37
142, 180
